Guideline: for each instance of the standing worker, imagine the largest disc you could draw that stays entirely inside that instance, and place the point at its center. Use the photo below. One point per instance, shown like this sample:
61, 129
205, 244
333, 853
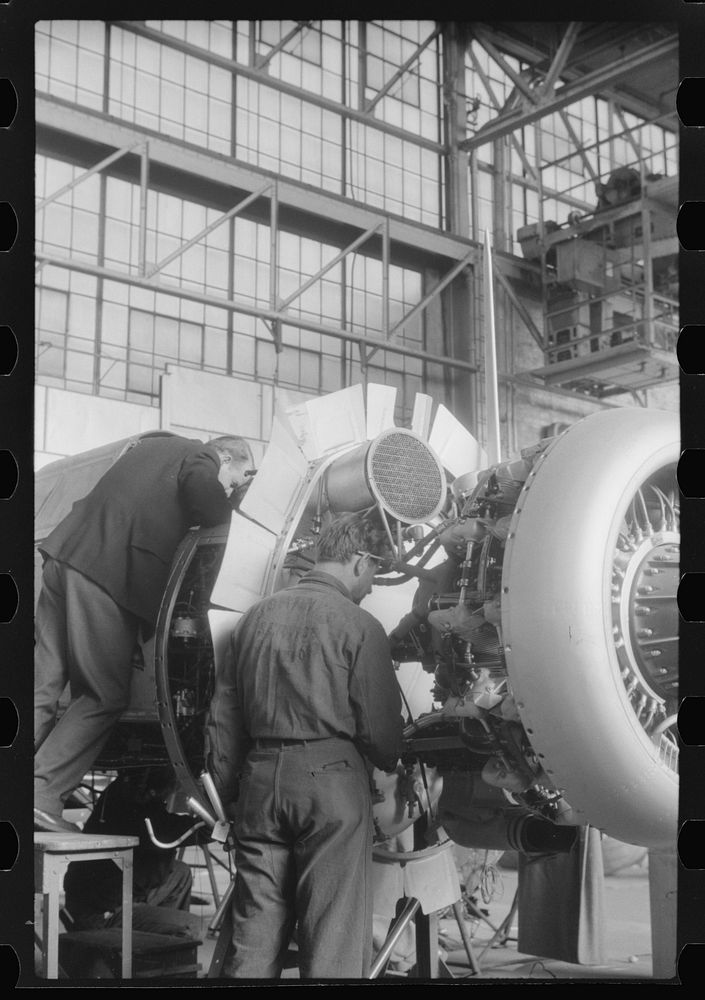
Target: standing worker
106, 565
305, 697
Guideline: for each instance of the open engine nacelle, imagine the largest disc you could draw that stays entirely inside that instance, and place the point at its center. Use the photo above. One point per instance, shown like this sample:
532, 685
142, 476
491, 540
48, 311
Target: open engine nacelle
532, 611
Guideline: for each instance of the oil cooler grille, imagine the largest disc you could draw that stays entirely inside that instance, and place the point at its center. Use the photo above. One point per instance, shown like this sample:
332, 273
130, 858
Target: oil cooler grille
406, 476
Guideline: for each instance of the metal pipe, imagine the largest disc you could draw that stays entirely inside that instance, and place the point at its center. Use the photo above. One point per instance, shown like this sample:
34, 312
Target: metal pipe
396, 932
212, 794
174, 843
196, 807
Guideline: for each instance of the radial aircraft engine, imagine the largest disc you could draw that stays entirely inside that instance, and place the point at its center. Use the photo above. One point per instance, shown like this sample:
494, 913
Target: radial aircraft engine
531, 608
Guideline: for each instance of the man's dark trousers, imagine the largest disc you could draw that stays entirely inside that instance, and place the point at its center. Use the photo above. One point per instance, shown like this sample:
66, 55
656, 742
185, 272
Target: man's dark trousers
303, 826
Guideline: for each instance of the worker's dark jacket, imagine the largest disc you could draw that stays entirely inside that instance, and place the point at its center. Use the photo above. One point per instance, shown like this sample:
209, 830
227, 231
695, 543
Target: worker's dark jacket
124, 534
305, 663
96, 886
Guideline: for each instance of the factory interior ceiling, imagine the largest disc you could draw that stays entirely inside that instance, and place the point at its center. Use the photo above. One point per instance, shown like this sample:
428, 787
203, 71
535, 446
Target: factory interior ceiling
634, 63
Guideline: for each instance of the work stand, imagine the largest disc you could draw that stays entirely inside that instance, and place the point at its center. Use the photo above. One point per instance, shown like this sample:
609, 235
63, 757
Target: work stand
222, 925
429, 883
431, 873
429, 964
502, 933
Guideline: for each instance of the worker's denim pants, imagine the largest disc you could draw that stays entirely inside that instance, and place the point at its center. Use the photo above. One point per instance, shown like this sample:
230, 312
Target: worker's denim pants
303, 859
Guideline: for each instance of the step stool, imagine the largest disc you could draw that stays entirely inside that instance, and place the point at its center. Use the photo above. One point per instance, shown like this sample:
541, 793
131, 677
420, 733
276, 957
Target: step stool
98, 955
53, 853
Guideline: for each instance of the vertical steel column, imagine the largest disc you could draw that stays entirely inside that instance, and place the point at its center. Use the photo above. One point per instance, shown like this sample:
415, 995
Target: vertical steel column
230, 328
385, 277
542, 235
499, 189
474, 200
456, 167
274, 262
457, 331
100, 283
649, 337
361, 63
144, 182
343, 119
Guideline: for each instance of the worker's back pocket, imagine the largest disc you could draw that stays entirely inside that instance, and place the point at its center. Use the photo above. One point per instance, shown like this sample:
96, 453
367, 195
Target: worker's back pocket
333, 766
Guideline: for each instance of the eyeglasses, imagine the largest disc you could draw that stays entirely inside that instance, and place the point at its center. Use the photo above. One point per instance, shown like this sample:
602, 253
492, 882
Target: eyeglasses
385, 562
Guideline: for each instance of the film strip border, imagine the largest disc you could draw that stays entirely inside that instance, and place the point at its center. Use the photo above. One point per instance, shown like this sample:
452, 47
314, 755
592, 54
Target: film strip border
17, 19
690, 105
16, 490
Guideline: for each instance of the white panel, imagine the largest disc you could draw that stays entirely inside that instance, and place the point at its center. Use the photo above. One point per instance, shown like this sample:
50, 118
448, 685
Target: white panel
457, 449
267, 411
221, 625
216, 404
77, 422
381, 400
421, 417
277, 482
242, 575
40, 395
287, 399
323, 426
206, 433
42, 458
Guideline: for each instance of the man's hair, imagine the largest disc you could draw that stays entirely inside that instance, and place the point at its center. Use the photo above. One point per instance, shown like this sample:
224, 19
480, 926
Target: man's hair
349, 533
237, 447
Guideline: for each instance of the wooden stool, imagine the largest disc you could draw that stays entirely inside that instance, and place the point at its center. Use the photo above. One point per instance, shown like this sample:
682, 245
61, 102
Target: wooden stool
53, 853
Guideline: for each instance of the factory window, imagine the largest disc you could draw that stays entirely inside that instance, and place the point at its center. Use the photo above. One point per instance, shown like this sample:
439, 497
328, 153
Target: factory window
299, 369
65, 322
289, 135
69, 60
156, 86
305, 41
214, 36
386, 52
69, 223
155, 341
283, 133
52, 325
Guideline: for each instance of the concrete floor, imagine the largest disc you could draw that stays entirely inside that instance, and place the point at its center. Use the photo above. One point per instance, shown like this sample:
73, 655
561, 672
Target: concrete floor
627, 933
